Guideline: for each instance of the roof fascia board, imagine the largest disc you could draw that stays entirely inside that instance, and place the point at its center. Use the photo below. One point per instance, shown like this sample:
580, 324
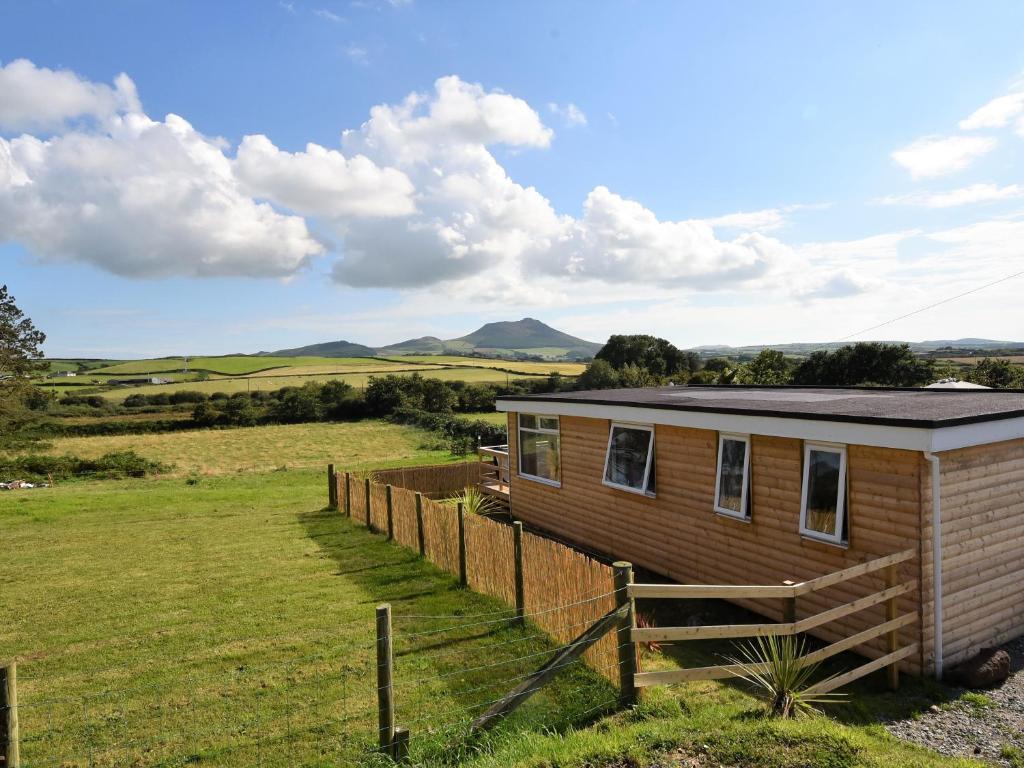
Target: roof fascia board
851, 433
979, 433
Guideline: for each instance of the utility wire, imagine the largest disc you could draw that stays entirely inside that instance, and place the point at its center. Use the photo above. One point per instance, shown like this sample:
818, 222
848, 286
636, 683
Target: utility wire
932, 306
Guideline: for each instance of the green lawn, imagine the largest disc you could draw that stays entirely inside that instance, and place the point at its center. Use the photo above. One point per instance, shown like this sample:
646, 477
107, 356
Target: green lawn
229, 623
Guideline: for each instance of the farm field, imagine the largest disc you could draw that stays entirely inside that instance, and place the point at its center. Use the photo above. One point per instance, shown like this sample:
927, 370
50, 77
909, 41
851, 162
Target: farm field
234, 365
1018, 359
520, 366
260, 449
230, 623
268, 383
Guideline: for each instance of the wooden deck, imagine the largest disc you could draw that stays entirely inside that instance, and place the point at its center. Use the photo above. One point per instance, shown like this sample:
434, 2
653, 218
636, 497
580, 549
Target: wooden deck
494, 477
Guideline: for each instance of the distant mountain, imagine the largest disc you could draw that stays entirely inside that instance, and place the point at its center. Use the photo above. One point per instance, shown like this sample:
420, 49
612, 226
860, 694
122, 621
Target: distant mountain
327, 349
526, 338
525, 335
806, 348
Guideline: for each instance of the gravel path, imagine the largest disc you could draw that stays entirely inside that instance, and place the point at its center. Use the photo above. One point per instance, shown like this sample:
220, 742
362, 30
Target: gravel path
980, 725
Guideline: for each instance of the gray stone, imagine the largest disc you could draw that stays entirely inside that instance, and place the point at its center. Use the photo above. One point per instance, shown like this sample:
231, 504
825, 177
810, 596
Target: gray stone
990, 667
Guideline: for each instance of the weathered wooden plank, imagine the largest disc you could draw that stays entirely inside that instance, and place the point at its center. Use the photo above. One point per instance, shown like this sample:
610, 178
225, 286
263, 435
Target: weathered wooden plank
855, 674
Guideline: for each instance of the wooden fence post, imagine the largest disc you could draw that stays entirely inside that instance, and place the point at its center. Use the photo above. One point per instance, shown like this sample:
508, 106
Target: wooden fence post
788, 606
463, 575
420, 533
9, 745
891, 612
369, 517
385, 667
332, 488
348, 494
517, 547
401, 748
627, 649
391, 513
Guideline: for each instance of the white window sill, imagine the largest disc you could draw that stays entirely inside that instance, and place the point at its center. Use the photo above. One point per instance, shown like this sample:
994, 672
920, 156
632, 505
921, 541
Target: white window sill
730, 515
822, 540
627, 489
541, 480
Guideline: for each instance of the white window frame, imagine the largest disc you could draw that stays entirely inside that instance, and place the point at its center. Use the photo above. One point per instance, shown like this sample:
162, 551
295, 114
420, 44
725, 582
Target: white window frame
538, 430
744, 513
837, 536
650, 458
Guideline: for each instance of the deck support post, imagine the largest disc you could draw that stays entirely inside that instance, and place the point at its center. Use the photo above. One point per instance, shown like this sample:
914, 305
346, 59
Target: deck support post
627, 649
517, 547
788, 606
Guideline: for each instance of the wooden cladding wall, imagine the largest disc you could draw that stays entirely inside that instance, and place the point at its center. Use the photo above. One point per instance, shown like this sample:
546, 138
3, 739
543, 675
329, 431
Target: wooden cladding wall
982, 547
679, 535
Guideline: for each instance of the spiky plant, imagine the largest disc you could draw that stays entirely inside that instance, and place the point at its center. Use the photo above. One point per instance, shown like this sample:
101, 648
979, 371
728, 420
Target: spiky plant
775, 667
476, 502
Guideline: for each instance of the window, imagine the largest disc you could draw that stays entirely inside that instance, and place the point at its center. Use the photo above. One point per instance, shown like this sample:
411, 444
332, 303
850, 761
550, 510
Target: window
823, 499
732, 483
538, 448
629, 464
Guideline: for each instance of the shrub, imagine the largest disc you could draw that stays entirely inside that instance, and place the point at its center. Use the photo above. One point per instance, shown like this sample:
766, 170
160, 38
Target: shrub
110, 465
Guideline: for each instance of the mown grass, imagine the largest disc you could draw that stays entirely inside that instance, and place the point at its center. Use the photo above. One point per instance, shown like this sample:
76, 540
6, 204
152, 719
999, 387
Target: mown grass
284, 446
230, 623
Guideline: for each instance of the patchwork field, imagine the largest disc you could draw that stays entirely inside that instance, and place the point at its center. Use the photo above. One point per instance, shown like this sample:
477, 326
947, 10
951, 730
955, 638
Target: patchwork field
519, 366
254, 449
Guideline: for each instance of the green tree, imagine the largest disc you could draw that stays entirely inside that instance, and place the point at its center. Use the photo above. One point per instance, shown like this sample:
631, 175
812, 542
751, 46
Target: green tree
770, 367
870, 363
633, 375
599, 375
998, 374
658, 356
20, 360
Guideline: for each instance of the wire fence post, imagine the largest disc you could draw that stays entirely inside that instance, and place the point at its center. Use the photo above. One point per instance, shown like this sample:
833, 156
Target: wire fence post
391, 513
369, 519
627, 650
420, 533
10, 749
463, 575
385, 668
517, 546
348, 494
332, 488
401, 751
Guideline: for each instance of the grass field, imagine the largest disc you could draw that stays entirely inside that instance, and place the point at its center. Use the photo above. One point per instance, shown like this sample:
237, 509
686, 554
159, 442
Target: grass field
230, 623
520, 366
231, 365
286, 446
1018, 359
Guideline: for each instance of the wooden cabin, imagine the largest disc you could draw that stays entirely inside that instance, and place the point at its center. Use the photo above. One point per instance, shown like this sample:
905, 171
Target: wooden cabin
767, 485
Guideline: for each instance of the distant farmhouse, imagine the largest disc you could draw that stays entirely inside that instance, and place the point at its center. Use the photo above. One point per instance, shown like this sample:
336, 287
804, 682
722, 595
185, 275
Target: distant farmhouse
61, 375
138, 380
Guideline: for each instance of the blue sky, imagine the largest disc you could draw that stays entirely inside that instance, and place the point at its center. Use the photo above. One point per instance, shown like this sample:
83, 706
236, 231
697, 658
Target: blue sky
712, 173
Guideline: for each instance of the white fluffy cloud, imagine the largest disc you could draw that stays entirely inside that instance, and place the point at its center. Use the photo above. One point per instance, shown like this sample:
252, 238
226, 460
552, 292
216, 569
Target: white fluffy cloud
941, 155
143, 199
322, 182
36, 98
996, 114
974, 193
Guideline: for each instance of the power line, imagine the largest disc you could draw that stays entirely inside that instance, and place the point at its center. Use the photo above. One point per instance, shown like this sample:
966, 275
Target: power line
932, 306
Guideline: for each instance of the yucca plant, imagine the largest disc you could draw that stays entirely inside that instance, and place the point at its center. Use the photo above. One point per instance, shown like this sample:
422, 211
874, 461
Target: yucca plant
475, 502
775, 667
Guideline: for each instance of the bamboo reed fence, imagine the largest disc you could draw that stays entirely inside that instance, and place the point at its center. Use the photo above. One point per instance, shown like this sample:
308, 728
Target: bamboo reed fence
582, 588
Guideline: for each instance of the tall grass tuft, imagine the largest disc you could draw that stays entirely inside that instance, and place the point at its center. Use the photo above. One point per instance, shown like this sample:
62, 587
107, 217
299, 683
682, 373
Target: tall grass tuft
775, 667
475, 502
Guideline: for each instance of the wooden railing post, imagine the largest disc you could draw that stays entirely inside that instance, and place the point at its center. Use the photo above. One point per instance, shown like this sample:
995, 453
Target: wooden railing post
9, 744
348, 494
627, 649
517, 547
391, 513
463, 575
385, 668
421, 536
332, 488
788, 606
893, 639
369, 516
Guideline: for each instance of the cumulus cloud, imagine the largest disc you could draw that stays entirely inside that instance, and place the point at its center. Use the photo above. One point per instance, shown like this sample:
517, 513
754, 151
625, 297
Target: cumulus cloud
941, 155
996, 114
838, 285
322, 182
37, 98
143, 199
570, 113
974, 193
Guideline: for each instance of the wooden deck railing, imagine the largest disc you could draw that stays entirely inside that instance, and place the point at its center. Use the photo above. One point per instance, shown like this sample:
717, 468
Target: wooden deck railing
789, 592
494, 471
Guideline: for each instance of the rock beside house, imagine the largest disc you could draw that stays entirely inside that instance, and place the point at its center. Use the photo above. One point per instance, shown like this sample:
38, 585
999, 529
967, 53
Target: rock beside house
988, 668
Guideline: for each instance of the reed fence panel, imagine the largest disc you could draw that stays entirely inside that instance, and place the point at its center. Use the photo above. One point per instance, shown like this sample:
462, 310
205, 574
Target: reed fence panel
441, 526
490, 558
378, 507
436, 481
404, 503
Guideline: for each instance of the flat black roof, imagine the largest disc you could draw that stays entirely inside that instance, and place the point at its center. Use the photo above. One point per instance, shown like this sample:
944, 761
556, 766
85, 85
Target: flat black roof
928, 408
